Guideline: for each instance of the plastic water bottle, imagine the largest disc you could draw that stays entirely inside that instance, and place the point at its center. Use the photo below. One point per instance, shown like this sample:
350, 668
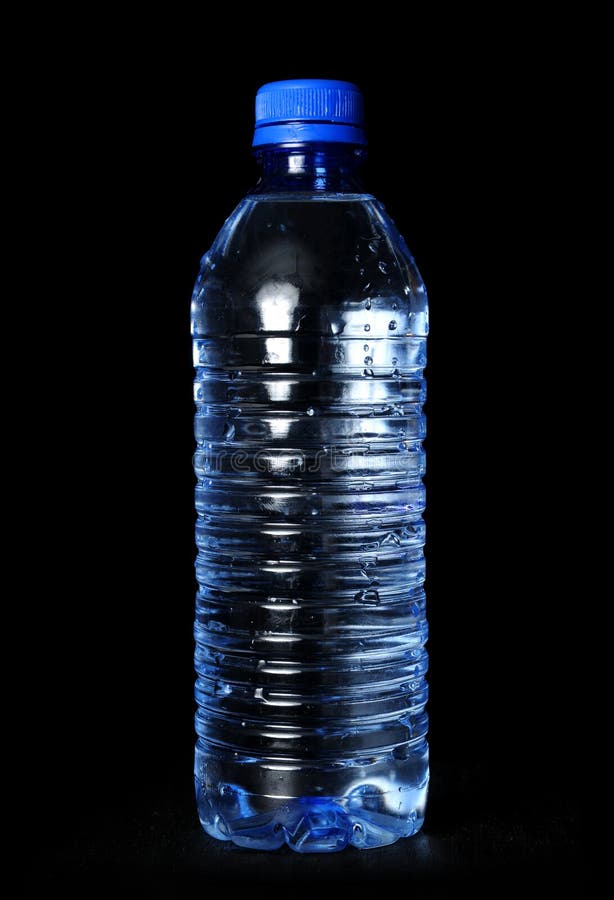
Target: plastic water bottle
309, 321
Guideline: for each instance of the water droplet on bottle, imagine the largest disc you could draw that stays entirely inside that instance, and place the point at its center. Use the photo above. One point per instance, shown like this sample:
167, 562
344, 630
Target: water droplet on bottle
369, 596
368, 373
368, 306
373, 245
229, 431
365, 347
367, 327
395, 306
392, 325
310, 410
394, 360
368, 360
382, 267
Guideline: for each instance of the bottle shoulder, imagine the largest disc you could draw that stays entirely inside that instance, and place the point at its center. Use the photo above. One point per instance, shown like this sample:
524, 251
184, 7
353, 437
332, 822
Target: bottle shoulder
311, 252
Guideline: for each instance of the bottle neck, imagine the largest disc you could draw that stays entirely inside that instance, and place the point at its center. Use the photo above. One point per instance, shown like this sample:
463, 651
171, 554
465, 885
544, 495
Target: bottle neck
310, 167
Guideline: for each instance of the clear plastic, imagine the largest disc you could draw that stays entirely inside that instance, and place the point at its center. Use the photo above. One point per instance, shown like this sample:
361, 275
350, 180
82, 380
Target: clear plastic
309, 321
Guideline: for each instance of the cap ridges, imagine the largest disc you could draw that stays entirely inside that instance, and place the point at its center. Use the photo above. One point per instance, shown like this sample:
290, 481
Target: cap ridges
309, 109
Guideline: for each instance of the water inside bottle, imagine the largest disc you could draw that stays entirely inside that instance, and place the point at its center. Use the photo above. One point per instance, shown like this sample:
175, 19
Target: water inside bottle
309, 326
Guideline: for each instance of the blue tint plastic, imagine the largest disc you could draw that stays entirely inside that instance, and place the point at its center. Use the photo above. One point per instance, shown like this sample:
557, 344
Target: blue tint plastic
309, 322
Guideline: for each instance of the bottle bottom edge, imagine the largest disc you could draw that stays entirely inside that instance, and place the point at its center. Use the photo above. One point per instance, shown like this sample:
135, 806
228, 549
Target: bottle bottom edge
311, 824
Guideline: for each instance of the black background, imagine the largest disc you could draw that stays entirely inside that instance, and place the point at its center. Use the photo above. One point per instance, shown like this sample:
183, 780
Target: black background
146, 151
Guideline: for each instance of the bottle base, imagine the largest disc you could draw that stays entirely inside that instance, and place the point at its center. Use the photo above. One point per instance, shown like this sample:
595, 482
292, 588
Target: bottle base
366, 818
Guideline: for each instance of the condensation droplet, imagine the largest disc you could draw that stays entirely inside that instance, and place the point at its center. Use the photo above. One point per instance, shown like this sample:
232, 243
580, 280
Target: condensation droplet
368, 360
367, 327
367, 306
392, 325
366, 347
369, 596
382, 267
394, 360
372, 545
310, 410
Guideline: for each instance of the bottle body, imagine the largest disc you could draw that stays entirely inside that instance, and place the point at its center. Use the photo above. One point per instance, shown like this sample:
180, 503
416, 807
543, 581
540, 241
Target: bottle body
309, 322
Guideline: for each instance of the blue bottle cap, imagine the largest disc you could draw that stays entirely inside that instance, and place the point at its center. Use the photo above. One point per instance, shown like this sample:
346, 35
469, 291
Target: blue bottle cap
309, 109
